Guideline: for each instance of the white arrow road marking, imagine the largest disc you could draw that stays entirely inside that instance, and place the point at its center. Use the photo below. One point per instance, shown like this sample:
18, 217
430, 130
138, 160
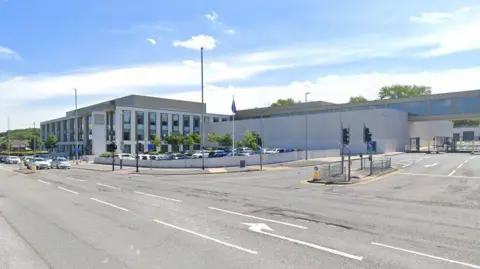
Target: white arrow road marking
426, 255
206, 237
253, 217
431, 165
260, 227
44, 182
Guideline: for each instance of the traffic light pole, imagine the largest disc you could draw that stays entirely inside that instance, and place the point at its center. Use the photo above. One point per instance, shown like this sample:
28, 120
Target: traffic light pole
343, 146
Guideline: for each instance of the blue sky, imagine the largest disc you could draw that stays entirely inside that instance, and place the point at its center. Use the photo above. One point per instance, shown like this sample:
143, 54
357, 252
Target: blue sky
257, 50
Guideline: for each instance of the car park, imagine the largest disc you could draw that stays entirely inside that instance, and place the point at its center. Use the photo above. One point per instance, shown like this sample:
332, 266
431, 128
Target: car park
60, 163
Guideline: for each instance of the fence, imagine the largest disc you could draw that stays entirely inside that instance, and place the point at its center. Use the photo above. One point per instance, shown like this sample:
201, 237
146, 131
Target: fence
333, 172
376, 165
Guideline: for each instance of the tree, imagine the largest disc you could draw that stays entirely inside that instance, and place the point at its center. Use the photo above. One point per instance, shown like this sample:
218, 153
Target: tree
358, 99
213, 138
226, 140
285, 102
51, 142
466, 123
37, 141
249, 140
174, 139
156, 141
401, 91
196, 137
188, 140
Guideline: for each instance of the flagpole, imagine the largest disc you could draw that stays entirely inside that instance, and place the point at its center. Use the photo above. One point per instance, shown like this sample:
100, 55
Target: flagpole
233, 131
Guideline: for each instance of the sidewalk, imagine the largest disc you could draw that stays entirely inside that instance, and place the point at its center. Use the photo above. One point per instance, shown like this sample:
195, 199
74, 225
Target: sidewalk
326, 160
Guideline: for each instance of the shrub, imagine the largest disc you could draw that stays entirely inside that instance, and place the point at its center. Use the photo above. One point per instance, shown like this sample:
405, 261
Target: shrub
153, 153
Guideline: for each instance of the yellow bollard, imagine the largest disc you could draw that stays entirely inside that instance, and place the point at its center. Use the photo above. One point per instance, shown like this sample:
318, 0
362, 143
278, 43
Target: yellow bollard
316, 173
34, 168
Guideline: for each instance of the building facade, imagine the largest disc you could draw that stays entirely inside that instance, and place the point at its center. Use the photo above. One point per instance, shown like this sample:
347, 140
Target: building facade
126, 121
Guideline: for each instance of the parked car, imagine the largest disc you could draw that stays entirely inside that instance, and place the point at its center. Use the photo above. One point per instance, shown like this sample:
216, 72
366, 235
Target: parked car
3, 159
39, 163
60, 163
27, 159
217, 154
144, 157
275, 151
124, 156
177, 156
198, 155
13, 160
162, 157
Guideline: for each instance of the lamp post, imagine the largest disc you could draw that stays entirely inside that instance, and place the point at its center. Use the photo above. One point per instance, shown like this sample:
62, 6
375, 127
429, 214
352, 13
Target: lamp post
306, 128
203, 112
76, 127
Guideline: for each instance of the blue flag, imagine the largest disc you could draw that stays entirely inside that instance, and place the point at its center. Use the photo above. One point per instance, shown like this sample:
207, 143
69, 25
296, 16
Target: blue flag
234, 108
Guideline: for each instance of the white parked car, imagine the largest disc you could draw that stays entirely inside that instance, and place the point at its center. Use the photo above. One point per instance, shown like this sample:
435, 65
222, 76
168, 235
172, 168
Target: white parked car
13, 160
198, 155
60, 163
124, 156
39, 163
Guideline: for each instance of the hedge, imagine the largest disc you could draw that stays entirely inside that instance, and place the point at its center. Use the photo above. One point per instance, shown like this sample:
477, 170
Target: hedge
22, 153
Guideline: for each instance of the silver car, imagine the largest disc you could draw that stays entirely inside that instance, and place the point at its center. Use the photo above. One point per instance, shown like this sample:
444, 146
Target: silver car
60, 163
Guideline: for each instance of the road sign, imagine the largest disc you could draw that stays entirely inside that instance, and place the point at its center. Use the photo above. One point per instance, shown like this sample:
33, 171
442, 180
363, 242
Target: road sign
77, 149
150, 147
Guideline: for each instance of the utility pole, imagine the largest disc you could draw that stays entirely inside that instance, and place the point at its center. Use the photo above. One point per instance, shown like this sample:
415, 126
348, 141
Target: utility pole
9, 142
202, 138
76, 128
34, 140
136, 145
306, 129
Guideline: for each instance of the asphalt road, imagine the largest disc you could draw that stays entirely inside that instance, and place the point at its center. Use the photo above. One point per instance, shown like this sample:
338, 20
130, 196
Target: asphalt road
426, 215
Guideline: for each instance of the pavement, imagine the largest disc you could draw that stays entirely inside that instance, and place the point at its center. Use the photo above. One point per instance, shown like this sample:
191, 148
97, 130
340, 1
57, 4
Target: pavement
426, 215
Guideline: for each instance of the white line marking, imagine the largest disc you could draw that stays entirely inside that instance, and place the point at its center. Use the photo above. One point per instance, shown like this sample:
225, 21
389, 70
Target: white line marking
206, 237
108, 186
48, 183
460, 166
453, 172
253, 217
407, 165
472, 157
63, 189
76, 179
418, 160
156, 196
430, 165
112, 205
259, 227
466, 161
427, 255
434, 175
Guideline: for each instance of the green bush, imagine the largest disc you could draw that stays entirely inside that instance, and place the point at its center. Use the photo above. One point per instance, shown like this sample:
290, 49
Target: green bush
22, 153
153, 153
105, 154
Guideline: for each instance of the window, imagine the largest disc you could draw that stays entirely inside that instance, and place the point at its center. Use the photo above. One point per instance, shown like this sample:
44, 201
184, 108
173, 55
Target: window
164, 148
126, 126
417, 108
80, 129
224, 119
175, 148
176, 124
140, 125
164, 124
152, 123
466, 104
196, 124
72, 129
89, 127
186, 124
440, 107
400, 107
215, 119
127, 148
65, 134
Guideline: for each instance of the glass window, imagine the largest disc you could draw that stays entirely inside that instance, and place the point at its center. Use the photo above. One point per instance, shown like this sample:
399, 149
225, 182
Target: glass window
224, 119
72, 129
140, 125
127, 149
417, 108
152, 122
80, 129
400, 107
164, 124
466, 104
186, 124
176, 124
440, 107
215, 119
126, 125
164, 148
196, 124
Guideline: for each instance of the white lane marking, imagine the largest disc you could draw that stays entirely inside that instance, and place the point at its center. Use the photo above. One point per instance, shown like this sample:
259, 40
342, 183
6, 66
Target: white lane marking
156, 196
48, 183
460, 166
430, 165
465, 161
259, 227
418, 160
435, 175
76, 179
453, 172
112, 205
253, 217
472, 157
407, 165
206, 237
427, 255
63, 189
108, 186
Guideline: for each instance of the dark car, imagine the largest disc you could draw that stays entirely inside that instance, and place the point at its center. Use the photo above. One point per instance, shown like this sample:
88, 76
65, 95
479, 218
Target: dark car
3, 159
217, 154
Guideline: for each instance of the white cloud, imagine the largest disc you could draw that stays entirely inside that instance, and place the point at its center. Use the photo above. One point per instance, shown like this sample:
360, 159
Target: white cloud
197, 42
151, 41
8, 53
439, 17
332, 88
230, 32
212, 16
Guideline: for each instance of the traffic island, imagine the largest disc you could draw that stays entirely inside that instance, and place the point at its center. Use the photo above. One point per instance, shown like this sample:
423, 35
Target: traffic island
356, 177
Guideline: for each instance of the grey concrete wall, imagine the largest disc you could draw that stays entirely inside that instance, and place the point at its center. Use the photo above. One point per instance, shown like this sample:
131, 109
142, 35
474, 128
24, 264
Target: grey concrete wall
426, 130
389, 128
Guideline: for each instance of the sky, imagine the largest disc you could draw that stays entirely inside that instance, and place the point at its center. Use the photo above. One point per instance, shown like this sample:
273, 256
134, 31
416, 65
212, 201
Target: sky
257, 51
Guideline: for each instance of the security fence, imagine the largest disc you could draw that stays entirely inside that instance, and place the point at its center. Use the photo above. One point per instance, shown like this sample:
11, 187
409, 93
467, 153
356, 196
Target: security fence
333, 172
376, 165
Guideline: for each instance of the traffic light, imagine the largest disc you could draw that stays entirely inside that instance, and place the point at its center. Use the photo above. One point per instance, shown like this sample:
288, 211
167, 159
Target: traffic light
112, 147
259, 141
141, 147
367, 135
345, 136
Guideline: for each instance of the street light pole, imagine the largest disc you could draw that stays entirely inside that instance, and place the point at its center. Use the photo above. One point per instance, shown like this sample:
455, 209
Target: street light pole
203, 111
306, 129
76, 128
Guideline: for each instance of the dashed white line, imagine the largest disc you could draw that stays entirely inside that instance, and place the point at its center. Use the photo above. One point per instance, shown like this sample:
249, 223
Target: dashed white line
67, 190
258, 218
207, 237
407, 165
112, 205
108, 186
427, 255
460, 166
48, 183
453, 172
156, 196
76, 179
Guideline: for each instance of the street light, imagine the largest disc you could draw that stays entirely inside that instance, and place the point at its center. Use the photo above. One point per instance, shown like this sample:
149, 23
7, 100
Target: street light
76, 127
203, 111
306, 128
